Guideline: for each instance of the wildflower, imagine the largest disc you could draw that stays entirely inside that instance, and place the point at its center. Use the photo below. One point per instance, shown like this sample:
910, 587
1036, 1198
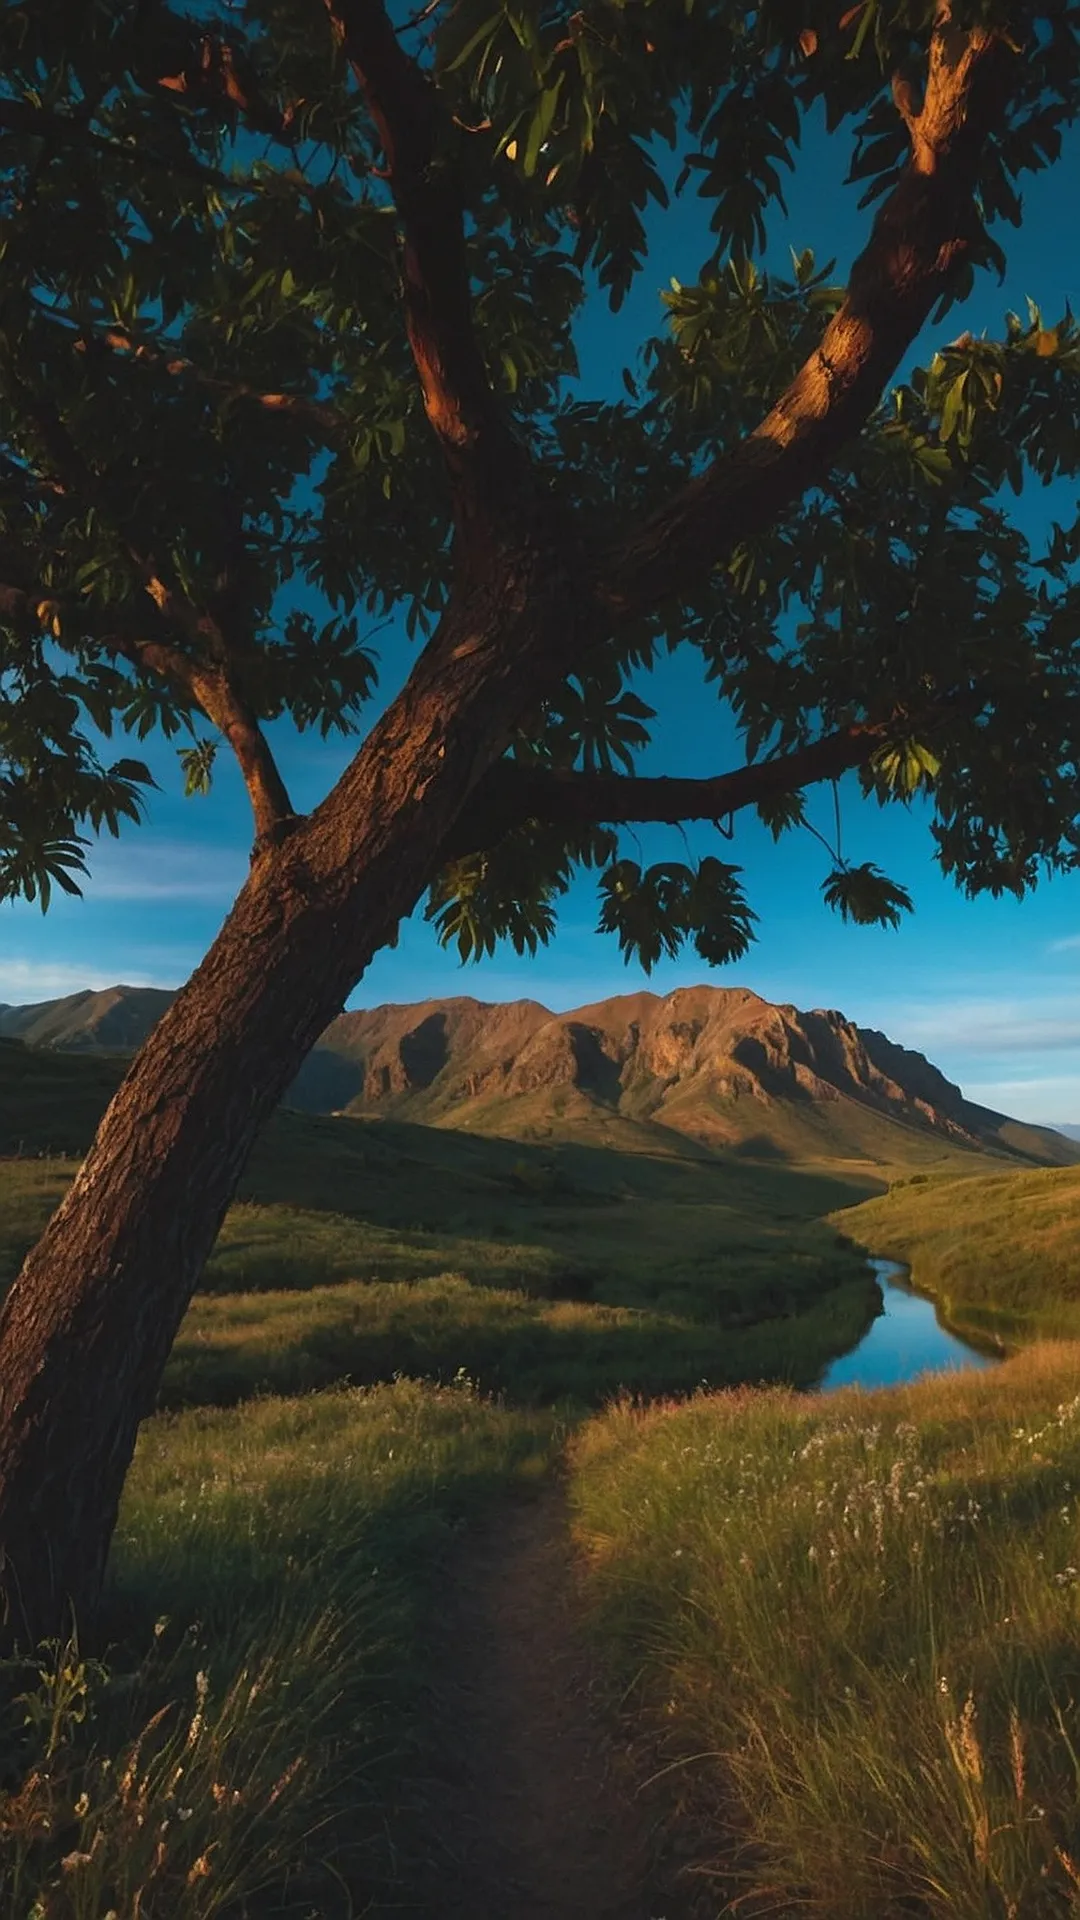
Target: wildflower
82, 1806
202, 1686
184, 1813
943, 1685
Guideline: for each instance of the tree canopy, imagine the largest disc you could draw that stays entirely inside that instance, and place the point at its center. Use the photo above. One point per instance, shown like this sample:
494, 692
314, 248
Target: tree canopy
289, 298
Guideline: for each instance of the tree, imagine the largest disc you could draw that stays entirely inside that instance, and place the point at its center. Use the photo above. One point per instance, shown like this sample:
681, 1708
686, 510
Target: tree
287, 344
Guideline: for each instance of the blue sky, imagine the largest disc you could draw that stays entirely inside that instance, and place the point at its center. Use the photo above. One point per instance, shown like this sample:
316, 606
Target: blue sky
989, 989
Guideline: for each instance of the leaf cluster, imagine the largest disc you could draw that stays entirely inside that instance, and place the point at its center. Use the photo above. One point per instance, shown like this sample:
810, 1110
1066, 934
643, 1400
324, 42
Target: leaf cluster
655, 911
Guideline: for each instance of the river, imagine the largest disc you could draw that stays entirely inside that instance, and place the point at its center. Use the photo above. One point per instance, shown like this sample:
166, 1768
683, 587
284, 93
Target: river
905, 1340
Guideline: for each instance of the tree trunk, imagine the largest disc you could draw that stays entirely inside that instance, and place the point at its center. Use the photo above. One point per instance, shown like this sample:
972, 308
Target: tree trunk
87, 1328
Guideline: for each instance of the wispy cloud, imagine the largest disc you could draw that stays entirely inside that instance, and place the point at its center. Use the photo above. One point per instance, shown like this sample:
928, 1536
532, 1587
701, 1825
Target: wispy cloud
23, 981
164, 870
1071, 944
988, 1026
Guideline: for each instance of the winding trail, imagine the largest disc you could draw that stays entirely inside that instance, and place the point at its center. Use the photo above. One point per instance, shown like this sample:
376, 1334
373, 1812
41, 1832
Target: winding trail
534, 1808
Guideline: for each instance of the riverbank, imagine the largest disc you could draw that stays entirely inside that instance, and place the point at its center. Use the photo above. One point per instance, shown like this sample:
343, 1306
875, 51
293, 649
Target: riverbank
999, 1254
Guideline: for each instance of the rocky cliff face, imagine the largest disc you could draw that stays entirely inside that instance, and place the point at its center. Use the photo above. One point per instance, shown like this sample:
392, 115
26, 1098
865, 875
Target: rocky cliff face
719, 1066
701, 1060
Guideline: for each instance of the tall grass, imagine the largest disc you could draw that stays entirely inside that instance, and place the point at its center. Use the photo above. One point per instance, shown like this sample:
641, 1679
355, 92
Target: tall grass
252, 1753
855, 1623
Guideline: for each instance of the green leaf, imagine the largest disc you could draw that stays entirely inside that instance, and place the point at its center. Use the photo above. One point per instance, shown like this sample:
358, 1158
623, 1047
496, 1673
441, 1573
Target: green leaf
484, 32
906, 766
541, 126
782, 811
197, 764
865, 896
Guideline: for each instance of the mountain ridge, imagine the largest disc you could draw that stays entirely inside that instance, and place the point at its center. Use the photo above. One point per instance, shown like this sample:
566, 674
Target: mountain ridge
707, 1069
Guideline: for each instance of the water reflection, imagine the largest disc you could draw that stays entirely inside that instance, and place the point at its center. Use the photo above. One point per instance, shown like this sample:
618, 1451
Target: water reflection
907, 1339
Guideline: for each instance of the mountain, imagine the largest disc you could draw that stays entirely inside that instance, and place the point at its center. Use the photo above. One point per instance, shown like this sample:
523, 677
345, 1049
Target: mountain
115, 1020
1070, 1131
718, 1066
703, 1069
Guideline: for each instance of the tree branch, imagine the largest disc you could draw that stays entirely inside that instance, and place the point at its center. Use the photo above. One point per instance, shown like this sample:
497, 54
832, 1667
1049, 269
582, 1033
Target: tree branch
203, 672
328, 421
924, 230
63, 129
486, 462
511, 794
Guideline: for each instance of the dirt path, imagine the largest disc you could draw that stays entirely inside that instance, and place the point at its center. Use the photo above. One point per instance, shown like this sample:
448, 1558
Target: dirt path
531, 1805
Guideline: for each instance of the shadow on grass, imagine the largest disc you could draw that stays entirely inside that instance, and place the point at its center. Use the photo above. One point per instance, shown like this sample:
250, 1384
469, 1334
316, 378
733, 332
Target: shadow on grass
533, 1353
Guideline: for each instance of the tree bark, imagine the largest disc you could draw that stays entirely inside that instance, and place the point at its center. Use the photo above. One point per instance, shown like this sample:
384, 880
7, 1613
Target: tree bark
87, 1328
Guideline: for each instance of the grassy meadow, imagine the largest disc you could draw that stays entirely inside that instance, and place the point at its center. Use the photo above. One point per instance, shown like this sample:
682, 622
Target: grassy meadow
402, 1327
255, 1738
359, 1250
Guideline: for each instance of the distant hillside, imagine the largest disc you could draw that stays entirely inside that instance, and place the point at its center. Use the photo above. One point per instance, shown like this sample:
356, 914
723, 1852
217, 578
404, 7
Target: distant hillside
700, 1069
115, 1020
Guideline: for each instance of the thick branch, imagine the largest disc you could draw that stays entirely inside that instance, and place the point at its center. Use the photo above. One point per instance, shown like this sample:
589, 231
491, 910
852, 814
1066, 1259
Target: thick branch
923, 232
206, 685
511, 794
209, 686
485, 460
201, 667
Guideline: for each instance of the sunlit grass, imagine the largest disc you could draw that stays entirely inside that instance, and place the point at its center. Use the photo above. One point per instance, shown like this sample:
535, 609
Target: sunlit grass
855, 1624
